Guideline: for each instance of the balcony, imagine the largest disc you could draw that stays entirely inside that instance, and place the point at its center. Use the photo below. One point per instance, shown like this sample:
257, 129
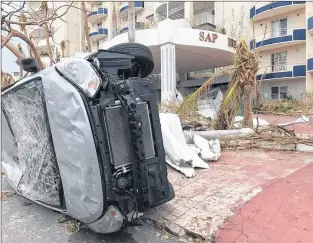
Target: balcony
139, 5
278, 38
203, 19
310, 23
263, 10
99, 33
138, 26
97, 14
310, 63
281, 72
175, 11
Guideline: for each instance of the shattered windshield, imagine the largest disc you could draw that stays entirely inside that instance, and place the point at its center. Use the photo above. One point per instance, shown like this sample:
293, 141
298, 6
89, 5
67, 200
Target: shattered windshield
35, 169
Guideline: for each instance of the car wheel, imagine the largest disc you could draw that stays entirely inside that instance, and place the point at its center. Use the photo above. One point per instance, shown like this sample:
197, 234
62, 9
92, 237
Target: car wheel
142, 54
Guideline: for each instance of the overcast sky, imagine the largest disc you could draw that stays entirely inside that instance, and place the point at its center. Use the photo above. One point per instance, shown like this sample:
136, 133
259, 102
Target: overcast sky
8, 59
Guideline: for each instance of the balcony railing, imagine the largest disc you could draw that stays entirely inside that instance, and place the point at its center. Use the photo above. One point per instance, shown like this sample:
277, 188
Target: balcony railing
98, 32
262, 7
138, 26
278, 36
281, 71
204, 18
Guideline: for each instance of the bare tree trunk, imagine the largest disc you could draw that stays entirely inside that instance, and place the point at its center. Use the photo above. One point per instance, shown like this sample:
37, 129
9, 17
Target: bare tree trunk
258, 94
118, 21
114, 20
47, 36
247, 110
24, 30
28, 47
21, 72
131, 22
86, 30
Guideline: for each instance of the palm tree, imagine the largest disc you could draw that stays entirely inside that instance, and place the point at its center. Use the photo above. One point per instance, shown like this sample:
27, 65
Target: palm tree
44, 8
131, 22
242, 83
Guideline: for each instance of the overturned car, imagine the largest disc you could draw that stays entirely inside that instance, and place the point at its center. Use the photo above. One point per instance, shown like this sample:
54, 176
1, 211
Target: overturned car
83, 137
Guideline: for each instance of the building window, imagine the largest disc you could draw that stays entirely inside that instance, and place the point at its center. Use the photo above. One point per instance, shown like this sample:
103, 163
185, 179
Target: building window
279, 28
279, 61
279, 92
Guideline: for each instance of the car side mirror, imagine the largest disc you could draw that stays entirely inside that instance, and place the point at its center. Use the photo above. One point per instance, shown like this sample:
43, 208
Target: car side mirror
29, 64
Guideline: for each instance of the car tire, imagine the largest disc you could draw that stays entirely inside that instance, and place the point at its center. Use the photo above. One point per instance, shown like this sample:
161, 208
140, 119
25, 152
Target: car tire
142, 54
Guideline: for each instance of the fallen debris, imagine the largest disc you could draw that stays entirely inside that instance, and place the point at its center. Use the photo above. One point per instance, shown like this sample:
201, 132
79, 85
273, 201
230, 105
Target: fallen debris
257, 122
263, 136
180, 155
289, 106
210, 150
302, 119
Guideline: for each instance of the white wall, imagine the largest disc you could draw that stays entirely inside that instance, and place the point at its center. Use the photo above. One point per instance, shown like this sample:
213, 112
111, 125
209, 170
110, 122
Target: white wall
229, 14
296, 88
295, 20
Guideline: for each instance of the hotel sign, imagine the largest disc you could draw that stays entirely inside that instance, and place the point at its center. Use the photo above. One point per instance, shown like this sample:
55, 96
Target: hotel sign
207, 37
212, 37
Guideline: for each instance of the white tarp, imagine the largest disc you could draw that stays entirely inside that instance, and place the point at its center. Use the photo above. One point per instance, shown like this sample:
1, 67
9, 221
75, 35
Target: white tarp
180, 155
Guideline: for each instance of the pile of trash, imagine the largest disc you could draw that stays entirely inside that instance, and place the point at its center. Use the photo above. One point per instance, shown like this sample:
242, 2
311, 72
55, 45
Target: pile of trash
183, 156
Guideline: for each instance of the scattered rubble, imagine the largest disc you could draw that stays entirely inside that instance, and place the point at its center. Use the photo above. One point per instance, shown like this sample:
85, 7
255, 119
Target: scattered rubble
289, 106
182, 156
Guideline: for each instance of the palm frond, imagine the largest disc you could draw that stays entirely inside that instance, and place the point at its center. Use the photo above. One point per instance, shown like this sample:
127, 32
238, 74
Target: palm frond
190, 102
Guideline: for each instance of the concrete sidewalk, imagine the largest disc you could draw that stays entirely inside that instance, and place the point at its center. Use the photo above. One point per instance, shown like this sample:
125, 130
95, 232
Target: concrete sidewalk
204, 203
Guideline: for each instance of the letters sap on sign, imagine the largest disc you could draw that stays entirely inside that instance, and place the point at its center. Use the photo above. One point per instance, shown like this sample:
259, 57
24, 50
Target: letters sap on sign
207, 37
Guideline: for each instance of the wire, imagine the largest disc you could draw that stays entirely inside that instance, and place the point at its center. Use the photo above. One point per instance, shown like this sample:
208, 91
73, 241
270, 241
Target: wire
137, 211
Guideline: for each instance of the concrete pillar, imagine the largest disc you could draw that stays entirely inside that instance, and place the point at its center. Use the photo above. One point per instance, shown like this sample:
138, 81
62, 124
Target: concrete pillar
188, 10
168, 72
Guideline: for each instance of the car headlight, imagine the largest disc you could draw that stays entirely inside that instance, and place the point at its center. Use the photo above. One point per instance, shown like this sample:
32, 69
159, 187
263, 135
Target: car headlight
80, 72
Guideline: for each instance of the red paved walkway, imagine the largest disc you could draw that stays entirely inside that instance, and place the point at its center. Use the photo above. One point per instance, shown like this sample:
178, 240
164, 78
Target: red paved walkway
304, 128
281, 213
